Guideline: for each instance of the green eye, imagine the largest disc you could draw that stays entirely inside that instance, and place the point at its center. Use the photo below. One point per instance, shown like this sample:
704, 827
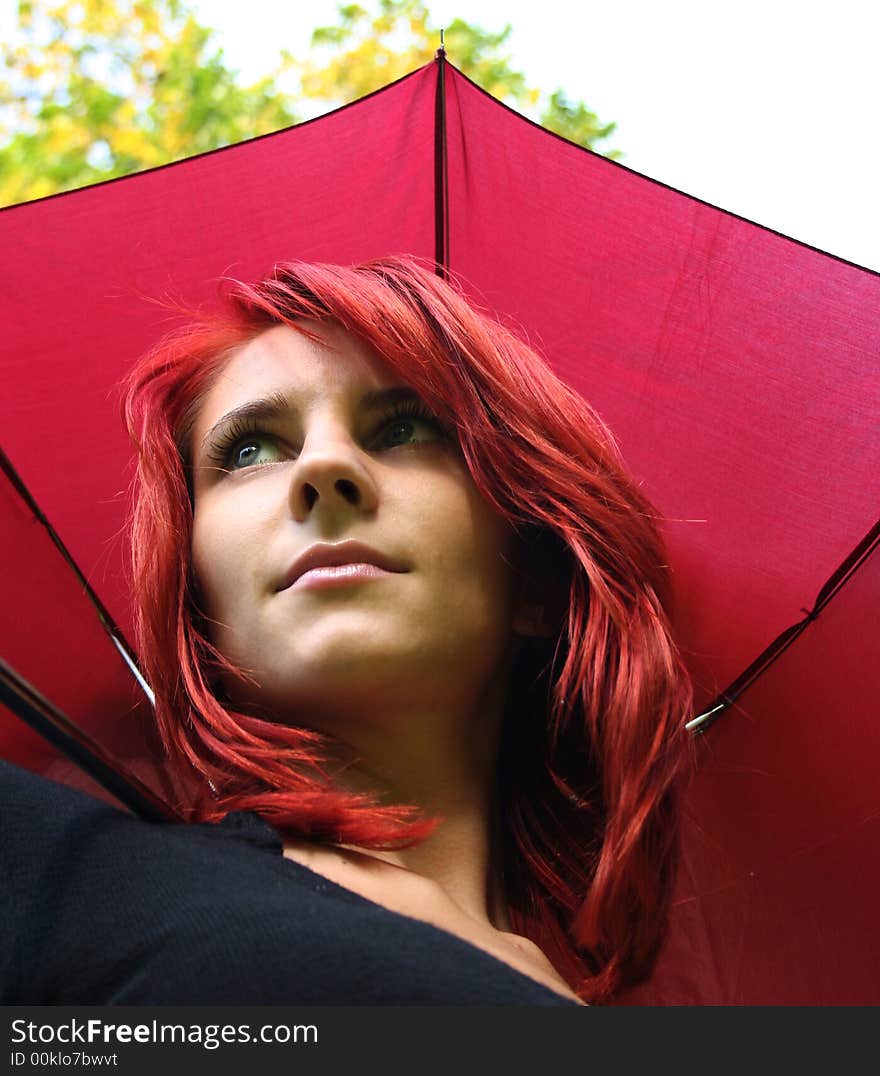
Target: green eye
254, 450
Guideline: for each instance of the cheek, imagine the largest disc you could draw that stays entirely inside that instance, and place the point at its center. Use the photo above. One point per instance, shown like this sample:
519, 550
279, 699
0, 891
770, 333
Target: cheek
204, 569
217, 564
476, 547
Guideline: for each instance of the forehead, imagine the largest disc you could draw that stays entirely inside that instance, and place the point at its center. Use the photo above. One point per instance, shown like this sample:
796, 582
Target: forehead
305, 371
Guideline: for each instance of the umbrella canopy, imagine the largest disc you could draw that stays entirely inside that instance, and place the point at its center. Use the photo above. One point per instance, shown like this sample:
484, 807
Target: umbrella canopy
736, 367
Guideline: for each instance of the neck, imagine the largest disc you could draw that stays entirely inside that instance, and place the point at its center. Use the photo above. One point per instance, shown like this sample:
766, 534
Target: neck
447, 765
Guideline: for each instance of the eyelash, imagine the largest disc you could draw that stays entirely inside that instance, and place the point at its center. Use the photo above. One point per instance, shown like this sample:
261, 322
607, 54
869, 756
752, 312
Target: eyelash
220, 450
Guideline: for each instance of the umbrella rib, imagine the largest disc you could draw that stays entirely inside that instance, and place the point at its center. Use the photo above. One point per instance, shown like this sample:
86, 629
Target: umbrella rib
104, 616
45, 718
783, 641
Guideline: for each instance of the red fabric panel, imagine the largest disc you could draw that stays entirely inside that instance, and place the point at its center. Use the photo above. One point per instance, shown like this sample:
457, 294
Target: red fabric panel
51, 635
736, 368
777, 900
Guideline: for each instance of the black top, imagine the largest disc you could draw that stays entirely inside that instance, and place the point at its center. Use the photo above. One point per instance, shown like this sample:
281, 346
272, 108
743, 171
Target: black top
98, 907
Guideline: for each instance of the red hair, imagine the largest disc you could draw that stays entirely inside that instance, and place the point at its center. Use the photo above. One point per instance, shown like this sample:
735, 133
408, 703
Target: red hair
594, 748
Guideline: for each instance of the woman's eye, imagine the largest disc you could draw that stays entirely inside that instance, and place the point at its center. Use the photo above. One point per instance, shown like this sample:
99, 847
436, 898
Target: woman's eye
407, 431
253, 450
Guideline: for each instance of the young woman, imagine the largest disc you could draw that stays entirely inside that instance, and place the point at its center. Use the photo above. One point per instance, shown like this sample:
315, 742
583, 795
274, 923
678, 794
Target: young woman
406, 617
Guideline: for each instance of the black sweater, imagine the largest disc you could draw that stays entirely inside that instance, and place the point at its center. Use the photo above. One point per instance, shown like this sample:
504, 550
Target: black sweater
100, 908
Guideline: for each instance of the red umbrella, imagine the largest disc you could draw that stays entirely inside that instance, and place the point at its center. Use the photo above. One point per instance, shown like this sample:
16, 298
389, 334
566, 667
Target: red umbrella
736, 367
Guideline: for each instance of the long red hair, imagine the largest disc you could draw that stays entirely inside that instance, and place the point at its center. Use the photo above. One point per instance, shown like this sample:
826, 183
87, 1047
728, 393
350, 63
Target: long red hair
593, 749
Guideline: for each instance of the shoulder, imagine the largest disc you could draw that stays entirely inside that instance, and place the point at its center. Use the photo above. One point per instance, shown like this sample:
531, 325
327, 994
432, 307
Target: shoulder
159, 897
185, 914
99, 907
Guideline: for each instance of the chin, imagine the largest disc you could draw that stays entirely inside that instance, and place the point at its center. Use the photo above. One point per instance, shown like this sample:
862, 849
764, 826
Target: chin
340, 678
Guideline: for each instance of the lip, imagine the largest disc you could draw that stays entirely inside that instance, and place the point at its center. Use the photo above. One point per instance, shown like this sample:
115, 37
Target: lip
337, 555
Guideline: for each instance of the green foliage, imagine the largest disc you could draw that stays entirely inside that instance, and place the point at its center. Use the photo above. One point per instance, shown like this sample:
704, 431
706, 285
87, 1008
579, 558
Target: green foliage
93, 89
99, 88
575, 121
366, 50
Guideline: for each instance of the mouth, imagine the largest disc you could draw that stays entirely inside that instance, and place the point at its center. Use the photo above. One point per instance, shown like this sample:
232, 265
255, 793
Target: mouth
338, 576
328, 564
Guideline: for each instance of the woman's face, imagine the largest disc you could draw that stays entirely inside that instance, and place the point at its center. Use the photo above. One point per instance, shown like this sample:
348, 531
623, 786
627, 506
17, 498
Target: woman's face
336, 451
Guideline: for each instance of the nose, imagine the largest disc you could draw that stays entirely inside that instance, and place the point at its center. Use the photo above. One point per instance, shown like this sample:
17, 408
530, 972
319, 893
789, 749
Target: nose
331, 476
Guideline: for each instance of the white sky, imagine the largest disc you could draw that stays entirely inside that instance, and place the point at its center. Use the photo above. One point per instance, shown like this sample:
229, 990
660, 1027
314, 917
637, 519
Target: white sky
768, 108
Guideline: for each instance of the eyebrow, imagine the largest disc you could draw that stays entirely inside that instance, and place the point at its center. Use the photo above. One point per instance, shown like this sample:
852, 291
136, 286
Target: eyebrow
276, 405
